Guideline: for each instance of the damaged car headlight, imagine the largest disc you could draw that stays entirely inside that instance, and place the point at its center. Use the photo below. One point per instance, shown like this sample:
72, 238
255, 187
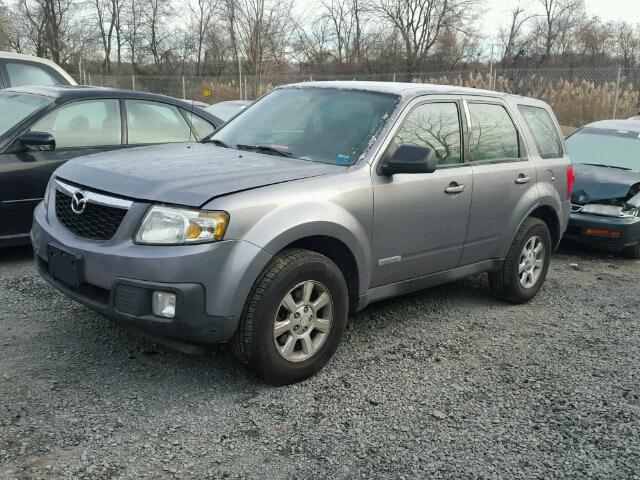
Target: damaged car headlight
177, 226
610, 210
629, 212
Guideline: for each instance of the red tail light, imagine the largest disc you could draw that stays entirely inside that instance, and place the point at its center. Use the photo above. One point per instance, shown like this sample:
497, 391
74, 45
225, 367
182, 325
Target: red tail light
571, 178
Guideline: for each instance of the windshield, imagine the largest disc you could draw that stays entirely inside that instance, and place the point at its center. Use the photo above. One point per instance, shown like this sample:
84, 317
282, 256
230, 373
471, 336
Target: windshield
608, 147
317, 124
15, 107
225, 110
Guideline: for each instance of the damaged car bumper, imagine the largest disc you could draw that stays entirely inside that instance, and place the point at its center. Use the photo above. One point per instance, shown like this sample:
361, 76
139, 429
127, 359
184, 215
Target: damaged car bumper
612, 232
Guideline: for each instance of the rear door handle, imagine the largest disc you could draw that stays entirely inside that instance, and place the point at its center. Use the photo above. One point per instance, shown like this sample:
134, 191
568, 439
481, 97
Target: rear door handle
522, 179
454, 188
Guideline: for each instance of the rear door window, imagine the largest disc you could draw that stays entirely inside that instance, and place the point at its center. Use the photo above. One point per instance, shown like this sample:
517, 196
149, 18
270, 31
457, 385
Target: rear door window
433, 125
543, 130
153, 122
493, 135
20, 74
86, 123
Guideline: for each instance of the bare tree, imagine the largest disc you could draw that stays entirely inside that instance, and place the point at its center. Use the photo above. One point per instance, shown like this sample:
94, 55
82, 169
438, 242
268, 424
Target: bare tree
47, 28
4, 27
593, 40
627, 41
202, 12
420, 23
312, 46
154, 14
346, 20
557, 22
106, 12
455, 47
131, 24
512, 36
265, 30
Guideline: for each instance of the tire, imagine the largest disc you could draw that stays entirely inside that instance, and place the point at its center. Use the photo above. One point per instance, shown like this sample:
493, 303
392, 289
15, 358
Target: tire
633, 252
506, 283
289, 357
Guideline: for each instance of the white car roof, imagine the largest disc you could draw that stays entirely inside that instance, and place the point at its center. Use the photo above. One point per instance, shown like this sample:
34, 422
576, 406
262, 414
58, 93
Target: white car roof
43, 61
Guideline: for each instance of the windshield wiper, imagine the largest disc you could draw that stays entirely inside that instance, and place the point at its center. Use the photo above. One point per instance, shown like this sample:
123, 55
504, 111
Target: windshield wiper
217, 142
265, 149
605, 165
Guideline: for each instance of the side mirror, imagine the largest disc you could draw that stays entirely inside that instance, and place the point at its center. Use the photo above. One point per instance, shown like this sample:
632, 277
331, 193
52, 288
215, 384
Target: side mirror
410, 159
38, 141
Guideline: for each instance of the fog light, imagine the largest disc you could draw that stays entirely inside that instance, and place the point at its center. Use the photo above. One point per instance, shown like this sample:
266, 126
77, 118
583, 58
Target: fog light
164, 304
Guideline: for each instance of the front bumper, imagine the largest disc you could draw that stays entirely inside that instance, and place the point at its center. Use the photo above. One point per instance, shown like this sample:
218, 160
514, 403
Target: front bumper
628, 228
211, 281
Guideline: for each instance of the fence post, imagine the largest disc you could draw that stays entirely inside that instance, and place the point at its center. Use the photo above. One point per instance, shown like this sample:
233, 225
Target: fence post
394, 77
184, 90
617, 94
133, 82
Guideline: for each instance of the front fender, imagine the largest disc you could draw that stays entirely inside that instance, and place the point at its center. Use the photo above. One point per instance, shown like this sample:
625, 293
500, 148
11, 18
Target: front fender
290, 223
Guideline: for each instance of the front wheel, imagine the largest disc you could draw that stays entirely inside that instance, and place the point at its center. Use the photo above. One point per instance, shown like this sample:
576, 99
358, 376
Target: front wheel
295, 316
525, 268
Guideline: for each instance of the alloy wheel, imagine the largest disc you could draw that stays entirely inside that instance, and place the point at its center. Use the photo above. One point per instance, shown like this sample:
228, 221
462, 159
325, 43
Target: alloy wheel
531, 262
303, 321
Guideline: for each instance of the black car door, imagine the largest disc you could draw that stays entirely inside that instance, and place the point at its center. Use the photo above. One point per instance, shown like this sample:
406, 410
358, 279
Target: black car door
151, 122
79, 128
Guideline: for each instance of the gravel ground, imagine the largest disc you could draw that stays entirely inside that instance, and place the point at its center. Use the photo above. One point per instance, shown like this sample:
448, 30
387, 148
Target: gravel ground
445, 383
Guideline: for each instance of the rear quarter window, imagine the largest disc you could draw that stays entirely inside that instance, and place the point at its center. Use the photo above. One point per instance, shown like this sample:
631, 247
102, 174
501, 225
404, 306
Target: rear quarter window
543, 130
21, 74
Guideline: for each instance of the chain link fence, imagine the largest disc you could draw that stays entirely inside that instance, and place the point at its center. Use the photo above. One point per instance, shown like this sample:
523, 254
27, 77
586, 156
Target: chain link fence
577, 95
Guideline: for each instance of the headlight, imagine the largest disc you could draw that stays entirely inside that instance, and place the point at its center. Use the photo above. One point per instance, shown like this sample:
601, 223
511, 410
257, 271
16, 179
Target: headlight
45, 200
177, 226
610, 210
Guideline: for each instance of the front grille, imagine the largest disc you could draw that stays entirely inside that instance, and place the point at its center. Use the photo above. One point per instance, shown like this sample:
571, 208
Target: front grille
97, 222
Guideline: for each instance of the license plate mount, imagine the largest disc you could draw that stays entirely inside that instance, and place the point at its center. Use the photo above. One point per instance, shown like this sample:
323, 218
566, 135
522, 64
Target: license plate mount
65, 265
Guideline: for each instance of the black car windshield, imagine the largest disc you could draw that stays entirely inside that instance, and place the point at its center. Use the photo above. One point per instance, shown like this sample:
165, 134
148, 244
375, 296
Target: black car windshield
15, 107
607, 147
325, 125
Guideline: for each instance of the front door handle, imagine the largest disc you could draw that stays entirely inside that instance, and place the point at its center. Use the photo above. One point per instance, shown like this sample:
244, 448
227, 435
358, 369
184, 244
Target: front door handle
522, 179
454, 188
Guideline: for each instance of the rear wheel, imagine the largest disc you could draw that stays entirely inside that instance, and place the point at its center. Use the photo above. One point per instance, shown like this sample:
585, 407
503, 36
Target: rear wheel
525, 268
294, 318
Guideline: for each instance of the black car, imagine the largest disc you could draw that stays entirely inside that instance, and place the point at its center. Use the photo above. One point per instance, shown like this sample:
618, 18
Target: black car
42, 127
606, 193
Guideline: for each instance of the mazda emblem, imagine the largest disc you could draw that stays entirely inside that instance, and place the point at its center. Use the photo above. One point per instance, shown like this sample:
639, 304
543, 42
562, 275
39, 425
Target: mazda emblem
78, 202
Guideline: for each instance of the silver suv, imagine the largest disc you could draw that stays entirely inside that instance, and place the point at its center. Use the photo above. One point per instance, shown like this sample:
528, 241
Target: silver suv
319, 199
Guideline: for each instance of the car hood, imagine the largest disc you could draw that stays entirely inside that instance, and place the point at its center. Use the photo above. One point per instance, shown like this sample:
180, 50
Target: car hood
595, 183
188, 174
